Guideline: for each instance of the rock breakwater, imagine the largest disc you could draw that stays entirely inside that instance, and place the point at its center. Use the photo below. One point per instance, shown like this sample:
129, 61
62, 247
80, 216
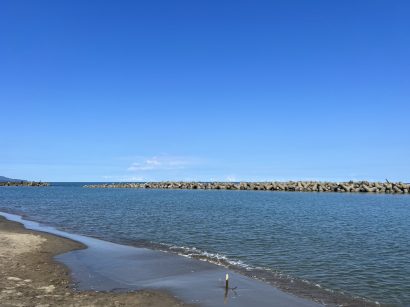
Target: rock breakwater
294, 186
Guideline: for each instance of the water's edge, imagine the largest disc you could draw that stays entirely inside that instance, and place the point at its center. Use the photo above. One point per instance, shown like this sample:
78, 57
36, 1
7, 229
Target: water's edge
299, 287
251, 291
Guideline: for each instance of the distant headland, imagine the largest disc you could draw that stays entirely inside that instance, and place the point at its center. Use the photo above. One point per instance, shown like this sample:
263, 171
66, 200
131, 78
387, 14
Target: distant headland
291, 186
10, 182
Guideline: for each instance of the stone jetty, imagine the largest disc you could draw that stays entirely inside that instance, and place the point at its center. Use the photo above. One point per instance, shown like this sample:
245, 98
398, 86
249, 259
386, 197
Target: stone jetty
23, 184
294, 186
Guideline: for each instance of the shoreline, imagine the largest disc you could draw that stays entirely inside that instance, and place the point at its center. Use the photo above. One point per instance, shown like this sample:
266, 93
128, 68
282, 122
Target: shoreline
31, 276
291, 287
189, 280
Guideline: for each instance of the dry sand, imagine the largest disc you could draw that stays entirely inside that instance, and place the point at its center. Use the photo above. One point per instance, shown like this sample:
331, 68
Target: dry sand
30, 277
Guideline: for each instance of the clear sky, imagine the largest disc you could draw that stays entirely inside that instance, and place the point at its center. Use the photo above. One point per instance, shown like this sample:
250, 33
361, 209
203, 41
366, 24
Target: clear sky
205, 90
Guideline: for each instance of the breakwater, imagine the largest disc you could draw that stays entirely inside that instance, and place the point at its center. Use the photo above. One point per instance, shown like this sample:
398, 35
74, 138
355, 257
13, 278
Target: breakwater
23, 184
294, 186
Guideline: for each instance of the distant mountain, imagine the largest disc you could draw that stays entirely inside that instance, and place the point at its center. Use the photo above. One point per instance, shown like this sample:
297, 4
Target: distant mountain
5, 179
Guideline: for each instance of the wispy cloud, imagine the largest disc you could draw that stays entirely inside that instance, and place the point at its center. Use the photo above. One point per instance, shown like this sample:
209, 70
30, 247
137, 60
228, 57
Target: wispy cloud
231, 178
123, 178
161, 163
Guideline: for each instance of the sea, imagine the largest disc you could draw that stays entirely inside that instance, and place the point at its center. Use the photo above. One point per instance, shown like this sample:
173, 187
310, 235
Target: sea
319, 245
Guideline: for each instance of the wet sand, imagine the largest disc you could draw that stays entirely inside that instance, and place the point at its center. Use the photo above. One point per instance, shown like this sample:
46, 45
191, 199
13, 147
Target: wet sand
29, 276
106, 266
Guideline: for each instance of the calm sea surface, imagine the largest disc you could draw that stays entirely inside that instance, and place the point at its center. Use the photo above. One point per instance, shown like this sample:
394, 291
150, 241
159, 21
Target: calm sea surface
355, 243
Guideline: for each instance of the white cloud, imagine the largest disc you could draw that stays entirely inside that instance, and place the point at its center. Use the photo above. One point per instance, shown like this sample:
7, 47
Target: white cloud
231, 178
123, 178
161, 163
134, 178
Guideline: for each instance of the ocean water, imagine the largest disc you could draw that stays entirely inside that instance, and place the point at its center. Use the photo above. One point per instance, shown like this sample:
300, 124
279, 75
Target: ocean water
356, 245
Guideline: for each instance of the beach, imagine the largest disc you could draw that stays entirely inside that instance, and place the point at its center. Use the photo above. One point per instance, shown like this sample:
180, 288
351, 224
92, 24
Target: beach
106, 273
31, 277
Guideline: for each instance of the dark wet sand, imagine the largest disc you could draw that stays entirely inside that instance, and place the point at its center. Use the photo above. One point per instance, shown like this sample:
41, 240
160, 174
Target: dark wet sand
106, 266
29, 276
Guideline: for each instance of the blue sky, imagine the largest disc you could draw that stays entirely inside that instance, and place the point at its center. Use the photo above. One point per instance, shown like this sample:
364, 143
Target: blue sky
205, 90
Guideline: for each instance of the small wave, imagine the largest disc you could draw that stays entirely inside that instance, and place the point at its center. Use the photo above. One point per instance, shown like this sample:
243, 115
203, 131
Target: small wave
215, 258
298, 286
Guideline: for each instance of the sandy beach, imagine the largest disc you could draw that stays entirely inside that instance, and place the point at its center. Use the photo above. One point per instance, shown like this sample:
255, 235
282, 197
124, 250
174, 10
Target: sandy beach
30, 276
110, 274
